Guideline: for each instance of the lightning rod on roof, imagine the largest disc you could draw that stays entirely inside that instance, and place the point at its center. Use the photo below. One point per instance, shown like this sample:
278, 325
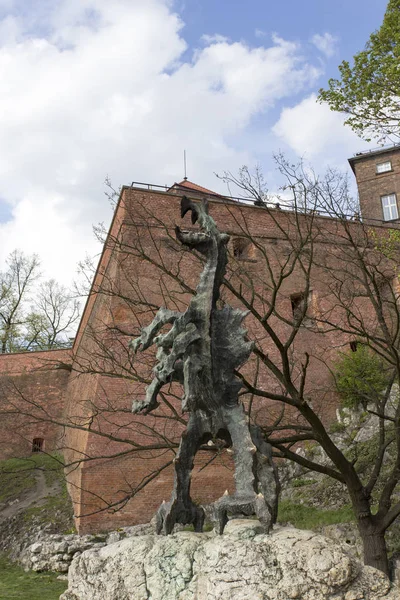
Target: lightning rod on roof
184, 164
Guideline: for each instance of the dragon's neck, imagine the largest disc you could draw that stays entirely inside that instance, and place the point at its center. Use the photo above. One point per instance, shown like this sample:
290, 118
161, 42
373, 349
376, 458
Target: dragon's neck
212, 276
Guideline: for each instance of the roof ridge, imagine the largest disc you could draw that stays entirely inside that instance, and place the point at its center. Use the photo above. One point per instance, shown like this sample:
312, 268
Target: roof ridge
186, 183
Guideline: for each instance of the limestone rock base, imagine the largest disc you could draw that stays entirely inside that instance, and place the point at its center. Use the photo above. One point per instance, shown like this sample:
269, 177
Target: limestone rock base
242, 564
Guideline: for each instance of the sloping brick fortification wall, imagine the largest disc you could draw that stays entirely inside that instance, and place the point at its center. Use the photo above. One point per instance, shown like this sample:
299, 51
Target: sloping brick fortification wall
111, 453
127, 287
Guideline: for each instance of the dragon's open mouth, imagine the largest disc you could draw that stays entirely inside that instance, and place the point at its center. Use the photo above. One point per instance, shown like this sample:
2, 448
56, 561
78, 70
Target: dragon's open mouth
193, 239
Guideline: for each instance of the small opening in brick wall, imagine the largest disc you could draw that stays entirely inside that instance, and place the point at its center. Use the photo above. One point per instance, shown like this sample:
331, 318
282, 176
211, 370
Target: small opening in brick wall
298, 302
243, 249
353, 346
385, 288
37, 445
303, 305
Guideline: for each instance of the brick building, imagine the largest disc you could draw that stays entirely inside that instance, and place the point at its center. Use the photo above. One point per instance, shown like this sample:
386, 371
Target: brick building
79, 400
378, 183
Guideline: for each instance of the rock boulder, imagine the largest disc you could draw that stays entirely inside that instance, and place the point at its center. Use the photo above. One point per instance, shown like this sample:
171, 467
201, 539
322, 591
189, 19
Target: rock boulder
242, 564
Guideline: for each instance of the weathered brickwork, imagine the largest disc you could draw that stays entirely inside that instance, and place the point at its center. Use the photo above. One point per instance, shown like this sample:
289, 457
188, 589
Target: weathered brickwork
132, 283
111, 453
32, 388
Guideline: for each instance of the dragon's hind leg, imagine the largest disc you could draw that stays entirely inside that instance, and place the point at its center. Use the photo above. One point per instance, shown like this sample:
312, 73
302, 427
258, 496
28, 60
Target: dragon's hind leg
181, 508
247, 499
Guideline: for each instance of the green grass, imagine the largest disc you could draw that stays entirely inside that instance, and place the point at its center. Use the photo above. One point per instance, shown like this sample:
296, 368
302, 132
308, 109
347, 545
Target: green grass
15, 584
18, 475
15, 478
55, 509
307, 517
47, 511
301, 482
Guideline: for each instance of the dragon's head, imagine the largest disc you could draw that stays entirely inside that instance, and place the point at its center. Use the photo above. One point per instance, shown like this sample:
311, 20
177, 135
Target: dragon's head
208, 233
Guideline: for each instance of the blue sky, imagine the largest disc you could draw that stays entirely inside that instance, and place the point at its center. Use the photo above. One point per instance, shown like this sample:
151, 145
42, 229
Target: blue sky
92, 88
350, 20
256, 21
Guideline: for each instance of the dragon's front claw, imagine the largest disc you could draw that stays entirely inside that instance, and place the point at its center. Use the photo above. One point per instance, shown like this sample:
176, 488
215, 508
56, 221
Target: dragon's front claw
142, 407
134, 345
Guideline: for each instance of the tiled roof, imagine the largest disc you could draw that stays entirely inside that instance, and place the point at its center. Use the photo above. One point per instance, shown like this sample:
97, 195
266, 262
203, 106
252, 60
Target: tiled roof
189, 185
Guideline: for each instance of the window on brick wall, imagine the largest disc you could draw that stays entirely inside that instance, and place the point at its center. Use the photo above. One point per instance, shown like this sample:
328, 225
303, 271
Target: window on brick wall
303, 304
383, 167
299, 304
385, 288
389, 206
353, 346
37, 445
243, 249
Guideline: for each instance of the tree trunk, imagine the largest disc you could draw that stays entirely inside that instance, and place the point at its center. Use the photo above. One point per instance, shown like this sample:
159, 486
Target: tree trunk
375, 551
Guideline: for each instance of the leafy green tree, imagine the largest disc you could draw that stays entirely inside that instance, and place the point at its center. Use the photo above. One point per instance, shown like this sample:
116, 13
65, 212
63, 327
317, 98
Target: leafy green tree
368, 92
361, 377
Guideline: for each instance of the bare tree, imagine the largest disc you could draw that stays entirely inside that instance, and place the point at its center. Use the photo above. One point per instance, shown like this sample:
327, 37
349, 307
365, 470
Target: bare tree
52, 318
33, 316
310, 283
15, 288
285, 397
285, 391
359, 300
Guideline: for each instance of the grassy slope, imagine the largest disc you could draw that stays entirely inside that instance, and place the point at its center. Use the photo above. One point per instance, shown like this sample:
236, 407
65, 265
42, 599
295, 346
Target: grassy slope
18, 478
15, 584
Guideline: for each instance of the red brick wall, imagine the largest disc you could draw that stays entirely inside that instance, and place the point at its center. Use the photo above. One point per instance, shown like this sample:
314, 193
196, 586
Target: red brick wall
128, 284
32, 401
111, 452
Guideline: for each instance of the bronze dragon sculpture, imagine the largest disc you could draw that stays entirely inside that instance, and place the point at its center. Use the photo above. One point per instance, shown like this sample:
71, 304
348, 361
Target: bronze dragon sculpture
201, 350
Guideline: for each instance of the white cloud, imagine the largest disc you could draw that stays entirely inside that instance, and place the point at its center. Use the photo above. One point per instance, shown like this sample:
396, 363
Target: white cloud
325, 43
259, 33
216, 38
92, 87
312, 130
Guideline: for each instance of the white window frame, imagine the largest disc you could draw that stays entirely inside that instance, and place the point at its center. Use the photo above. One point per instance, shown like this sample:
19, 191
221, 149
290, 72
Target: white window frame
389, 207
384, 167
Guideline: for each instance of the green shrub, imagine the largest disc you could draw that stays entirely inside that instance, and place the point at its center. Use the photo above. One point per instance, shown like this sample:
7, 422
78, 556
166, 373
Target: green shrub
361, 377
337, 427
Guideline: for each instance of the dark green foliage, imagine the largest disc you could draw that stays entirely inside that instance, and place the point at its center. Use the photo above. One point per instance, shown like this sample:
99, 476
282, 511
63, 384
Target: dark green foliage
361, 377
337, 427
368, 91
